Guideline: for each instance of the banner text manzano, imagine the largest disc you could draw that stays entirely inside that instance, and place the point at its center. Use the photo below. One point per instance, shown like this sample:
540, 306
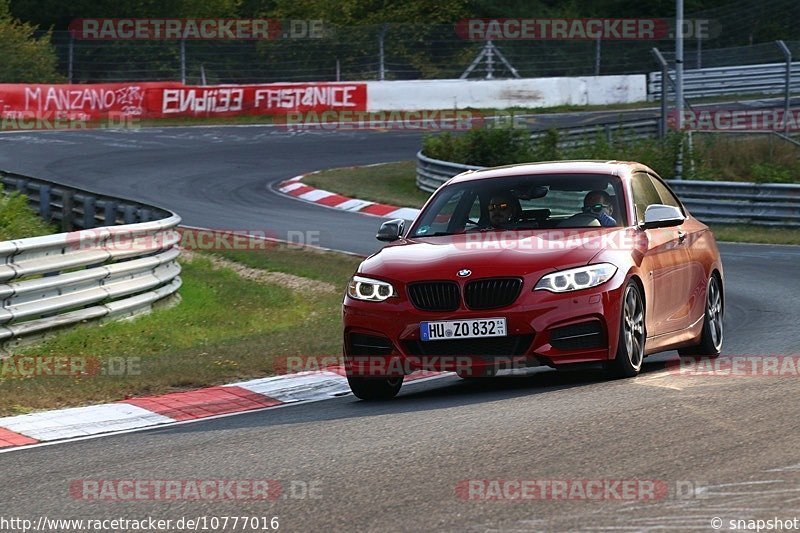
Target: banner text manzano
169, 99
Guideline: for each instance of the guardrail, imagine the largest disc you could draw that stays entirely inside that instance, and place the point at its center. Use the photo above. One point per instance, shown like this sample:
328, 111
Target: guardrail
767, 78
621, 130
722, 202
99, 270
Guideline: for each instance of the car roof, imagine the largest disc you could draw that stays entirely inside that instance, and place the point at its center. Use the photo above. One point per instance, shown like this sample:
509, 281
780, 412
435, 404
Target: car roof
622, 169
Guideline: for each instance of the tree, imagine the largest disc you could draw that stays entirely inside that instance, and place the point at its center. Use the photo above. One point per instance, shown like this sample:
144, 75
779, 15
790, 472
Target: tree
26, 58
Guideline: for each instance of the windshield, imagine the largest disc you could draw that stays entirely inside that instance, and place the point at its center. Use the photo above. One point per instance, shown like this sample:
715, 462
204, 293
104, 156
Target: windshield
524, 202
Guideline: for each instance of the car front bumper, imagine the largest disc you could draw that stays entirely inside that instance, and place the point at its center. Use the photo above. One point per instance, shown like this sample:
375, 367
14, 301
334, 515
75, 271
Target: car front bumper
383, 338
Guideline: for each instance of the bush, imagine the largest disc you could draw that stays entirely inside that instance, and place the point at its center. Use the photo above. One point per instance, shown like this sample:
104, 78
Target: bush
772, 173
506, 144
17, 219
25, 58
710, 157
490, 147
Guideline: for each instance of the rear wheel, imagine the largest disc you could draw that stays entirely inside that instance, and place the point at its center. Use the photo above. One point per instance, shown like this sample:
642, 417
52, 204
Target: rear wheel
375, 388
711, 338
630, 348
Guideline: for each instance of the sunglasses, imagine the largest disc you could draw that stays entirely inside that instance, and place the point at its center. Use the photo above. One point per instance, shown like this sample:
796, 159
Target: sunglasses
496, 207
594, 208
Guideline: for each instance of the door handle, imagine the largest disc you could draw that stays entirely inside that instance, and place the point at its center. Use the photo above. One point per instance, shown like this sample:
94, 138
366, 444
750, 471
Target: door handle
681, 236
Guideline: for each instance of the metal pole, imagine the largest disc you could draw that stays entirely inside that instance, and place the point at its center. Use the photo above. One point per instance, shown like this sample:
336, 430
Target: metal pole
71, 58
381, 64
597, 57
489, 60
662, 127
183, 61
338, 70
679, 80
202, 75
788, 55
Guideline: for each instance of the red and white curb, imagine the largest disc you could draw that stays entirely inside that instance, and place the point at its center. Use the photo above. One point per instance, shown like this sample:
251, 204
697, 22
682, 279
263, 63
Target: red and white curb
177, 407
294, 187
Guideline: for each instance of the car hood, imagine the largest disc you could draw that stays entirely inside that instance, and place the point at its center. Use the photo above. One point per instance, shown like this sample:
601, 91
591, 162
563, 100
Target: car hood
492, 253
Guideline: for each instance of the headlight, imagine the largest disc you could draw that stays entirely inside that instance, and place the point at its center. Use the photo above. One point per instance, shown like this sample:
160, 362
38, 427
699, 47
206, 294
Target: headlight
576, 279
369, 290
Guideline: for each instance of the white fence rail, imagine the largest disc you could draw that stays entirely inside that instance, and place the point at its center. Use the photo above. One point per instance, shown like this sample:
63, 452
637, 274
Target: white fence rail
59, 280
722, 202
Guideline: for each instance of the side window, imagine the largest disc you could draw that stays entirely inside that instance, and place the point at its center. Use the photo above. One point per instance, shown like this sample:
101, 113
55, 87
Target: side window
644, 194
666, 195
438, 219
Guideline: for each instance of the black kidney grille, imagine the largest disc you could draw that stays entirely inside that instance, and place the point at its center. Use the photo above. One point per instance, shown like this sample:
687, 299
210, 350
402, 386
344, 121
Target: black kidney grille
491, 293
492, 346
434, 295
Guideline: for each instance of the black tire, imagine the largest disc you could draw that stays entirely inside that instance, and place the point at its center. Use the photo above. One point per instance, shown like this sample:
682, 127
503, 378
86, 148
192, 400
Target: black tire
632, 337
372, 389
710, 344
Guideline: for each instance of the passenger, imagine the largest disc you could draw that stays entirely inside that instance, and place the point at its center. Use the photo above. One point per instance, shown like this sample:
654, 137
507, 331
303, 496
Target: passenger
599, 204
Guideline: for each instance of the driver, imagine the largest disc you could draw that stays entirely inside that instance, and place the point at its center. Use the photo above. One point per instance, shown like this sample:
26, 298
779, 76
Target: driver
502, 209
599, 204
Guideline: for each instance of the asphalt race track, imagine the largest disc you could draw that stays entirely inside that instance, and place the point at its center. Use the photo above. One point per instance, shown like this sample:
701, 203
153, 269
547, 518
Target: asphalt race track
721, 446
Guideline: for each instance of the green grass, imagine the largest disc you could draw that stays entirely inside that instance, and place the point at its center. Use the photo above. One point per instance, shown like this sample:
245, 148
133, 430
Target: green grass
743, 233
403, 179
331, 267
225, 329
17, 219
392, 183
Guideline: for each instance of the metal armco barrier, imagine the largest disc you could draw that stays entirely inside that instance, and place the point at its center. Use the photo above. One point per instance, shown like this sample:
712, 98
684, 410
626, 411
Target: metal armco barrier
621, 130
769, 78
99, 270
722, 202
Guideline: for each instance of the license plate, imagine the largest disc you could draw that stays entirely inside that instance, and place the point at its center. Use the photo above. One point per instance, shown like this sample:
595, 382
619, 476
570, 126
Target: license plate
462, 329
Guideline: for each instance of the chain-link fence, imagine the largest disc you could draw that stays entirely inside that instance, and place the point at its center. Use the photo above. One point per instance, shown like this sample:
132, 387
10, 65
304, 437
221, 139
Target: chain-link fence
419, 51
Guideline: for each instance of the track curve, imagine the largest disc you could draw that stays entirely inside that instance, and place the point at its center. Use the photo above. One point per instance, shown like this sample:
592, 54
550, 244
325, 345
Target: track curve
396, 465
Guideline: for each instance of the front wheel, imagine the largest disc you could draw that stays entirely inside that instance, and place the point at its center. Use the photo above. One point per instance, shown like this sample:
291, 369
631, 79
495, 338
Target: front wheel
630, 347
371, 389
711, 338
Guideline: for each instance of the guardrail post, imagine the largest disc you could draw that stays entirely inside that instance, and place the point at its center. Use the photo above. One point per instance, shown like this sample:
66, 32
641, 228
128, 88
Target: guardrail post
22, 185
788, 55
144, 215
66, 209
44, 202
129, 214
88, 212
110, 213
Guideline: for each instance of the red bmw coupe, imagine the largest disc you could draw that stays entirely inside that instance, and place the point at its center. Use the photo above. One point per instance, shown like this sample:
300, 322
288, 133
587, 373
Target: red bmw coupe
558, 264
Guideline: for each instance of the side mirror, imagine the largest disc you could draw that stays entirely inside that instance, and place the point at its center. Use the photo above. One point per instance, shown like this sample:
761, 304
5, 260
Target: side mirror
391, 230
662, 216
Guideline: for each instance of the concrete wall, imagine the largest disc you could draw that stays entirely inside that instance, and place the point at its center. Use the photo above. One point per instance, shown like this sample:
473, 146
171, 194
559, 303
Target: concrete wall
529, 92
